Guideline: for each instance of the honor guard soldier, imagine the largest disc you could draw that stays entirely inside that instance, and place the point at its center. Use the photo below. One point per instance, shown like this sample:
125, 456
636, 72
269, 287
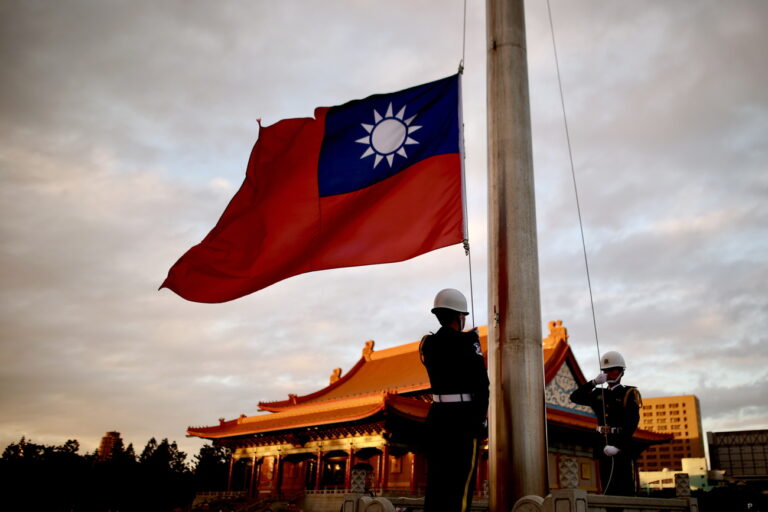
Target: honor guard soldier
617, 408
456, 423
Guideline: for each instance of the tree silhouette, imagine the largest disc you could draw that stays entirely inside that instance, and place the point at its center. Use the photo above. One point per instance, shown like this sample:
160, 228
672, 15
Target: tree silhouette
61, 479
211, 468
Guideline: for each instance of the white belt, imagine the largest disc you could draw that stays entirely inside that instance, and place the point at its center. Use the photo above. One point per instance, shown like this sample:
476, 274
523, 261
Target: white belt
457, 397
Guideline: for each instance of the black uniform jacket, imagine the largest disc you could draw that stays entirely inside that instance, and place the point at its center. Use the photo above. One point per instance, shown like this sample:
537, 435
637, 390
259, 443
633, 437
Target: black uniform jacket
454, 362
622, 406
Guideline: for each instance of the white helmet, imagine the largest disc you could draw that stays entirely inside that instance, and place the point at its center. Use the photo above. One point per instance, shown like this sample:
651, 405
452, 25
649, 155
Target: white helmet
451, 299
612, 360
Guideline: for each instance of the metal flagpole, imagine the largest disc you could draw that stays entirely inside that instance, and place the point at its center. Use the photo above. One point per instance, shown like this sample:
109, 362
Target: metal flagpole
518, 435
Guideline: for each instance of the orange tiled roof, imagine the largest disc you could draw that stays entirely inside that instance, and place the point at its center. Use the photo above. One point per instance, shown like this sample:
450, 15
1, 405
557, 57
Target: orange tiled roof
581, 422
376, 382
396, 370
399, 370
323, 413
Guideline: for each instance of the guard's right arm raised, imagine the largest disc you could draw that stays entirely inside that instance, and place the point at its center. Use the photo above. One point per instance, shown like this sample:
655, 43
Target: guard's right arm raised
583, 395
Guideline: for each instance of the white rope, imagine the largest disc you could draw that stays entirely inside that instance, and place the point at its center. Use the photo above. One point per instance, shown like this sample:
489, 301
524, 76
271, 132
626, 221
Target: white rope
581, 225
463, 167
471, 286
575, 187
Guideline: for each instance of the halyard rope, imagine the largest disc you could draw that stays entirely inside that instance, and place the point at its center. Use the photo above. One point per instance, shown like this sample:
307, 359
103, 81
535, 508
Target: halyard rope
581, 225
463, 167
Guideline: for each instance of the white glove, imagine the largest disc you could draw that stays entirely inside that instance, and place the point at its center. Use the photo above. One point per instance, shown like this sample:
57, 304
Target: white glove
601, 378
611, 450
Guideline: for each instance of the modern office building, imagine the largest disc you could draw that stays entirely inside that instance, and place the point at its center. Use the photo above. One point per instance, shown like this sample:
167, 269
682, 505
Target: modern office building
742, 454
676, 415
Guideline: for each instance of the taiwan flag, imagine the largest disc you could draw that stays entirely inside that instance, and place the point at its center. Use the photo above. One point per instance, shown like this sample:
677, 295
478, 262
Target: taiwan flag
377, 180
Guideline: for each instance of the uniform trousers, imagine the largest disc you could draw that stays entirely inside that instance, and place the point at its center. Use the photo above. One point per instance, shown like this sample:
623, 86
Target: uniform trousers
452, 448
617, 474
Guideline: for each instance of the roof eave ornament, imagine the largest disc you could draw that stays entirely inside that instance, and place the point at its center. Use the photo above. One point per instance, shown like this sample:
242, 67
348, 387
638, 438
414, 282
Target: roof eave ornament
368, 350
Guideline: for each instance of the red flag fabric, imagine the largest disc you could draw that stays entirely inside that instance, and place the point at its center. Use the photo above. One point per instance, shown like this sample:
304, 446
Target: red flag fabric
372, 181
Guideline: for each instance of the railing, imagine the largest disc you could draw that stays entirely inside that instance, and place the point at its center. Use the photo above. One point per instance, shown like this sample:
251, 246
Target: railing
391, 491
573, 500
211, 496
220, 495
395, 491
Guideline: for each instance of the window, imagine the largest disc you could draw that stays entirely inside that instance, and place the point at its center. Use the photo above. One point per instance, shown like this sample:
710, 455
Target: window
646, 414
660, 406
662, 427
674, 413
675, 427
661, 413
674, 406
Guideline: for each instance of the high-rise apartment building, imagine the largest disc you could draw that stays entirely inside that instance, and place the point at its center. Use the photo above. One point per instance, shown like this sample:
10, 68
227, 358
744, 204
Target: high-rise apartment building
676, 415
109, 443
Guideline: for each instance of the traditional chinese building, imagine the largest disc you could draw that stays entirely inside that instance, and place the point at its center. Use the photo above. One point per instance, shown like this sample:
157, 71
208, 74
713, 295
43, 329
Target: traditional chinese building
372, 417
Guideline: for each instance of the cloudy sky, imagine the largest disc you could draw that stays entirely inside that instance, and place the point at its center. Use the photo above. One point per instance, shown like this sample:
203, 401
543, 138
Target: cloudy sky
126, 127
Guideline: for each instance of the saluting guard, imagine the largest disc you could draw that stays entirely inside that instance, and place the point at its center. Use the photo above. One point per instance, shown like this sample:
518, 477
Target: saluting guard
456, 423
617, 408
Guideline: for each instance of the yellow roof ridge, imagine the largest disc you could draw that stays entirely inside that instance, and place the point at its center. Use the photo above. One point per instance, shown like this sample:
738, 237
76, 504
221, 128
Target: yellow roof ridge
320, 406
395, 351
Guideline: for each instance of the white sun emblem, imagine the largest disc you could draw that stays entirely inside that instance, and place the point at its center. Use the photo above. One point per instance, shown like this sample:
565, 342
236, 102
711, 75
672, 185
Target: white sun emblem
388, 135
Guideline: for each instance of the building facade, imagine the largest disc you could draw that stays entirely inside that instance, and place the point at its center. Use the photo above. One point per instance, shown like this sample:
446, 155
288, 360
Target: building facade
676, 415
109, 442
695, 468
741, 454
372, 418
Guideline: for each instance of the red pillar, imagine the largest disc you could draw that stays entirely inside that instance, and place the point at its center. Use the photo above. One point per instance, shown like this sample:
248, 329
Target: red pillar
348, 471
413, 473
278, 476
319, 472
384, 479
229, 475
379, 469
253, 487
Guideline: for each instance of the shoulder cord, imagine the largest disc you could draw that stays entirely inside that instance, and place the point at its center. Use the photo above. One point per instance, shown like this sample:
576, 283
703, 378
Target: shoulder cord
421, 346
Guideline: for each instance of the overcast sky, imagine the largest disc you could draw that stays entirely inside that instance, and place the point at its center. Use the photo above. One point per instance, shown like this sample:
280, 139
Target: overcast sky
125, 129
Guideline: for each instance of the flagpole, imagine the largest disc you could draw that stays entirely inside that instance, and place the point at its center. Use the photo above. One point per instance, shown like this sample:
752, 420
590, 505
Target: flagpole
518, 435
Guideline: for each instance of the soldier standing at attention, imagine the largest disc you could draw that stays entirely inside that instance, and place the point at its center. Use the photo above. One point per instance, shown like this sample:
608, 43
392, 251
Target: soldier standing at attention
456, 422
617, 408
